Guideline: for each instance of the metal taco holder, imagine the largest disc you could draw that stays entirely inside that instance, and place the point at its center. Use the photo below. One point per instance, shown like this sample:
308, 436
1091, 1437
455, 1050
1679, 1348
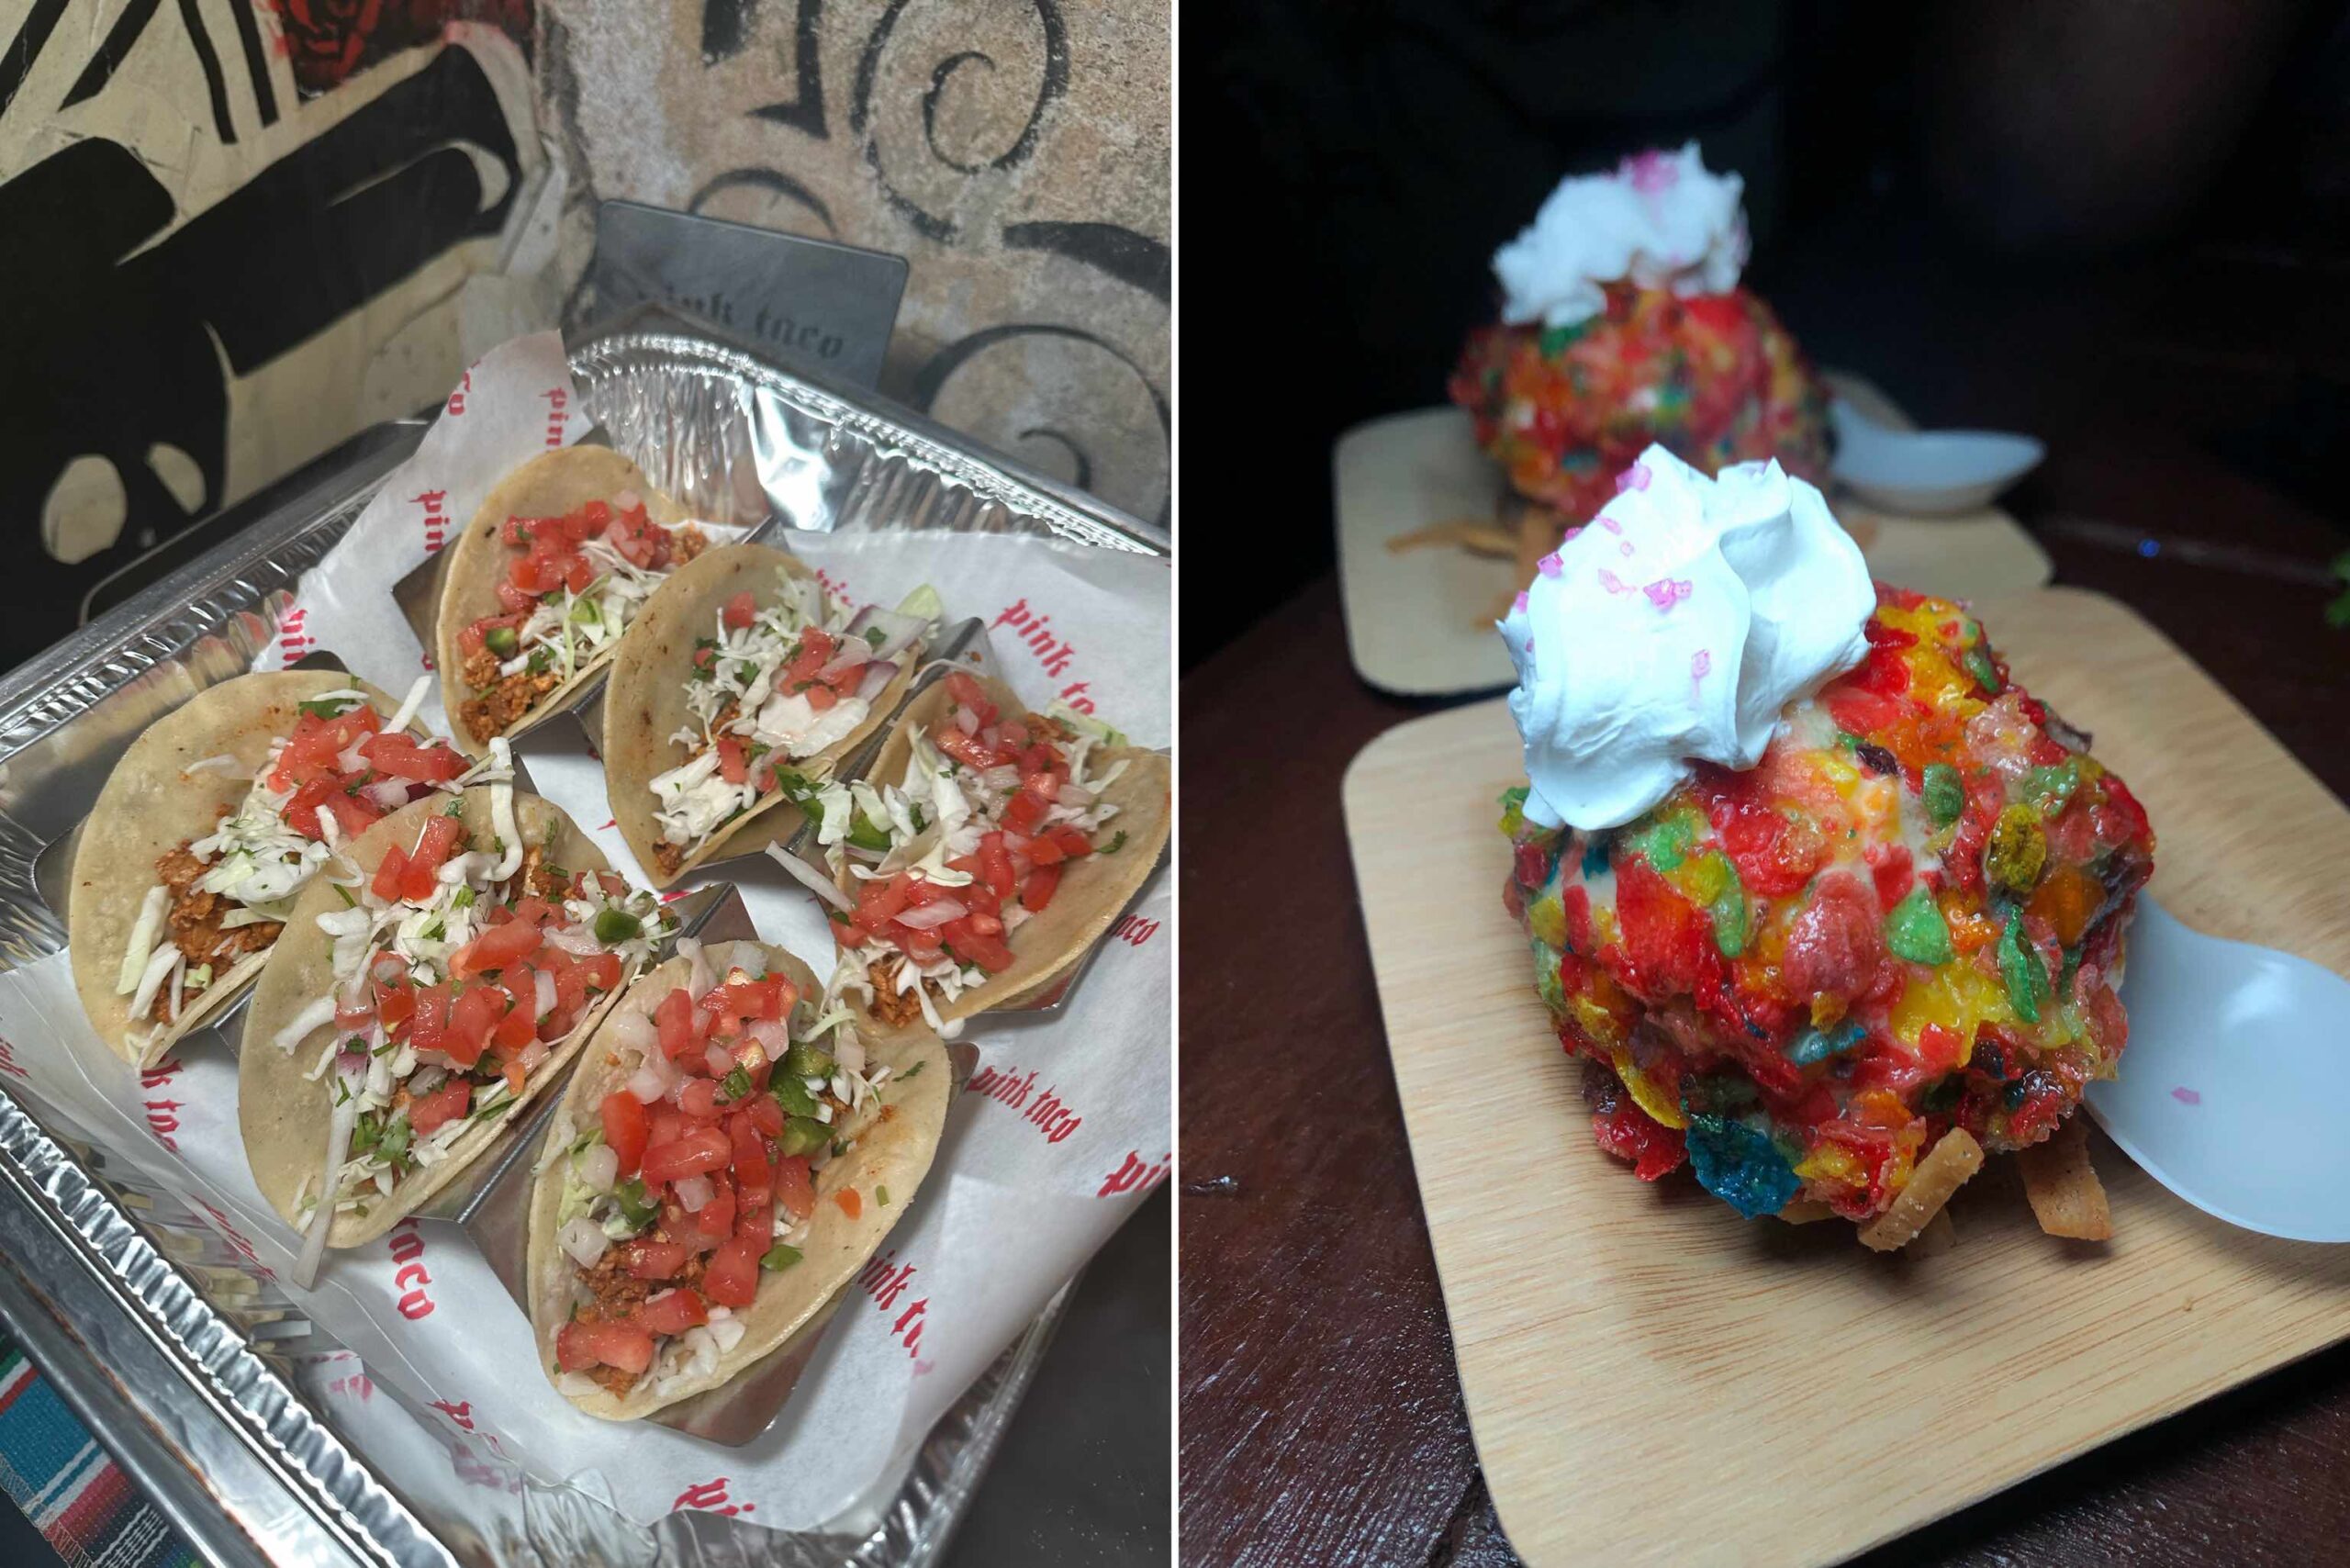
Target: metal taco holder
143, 1318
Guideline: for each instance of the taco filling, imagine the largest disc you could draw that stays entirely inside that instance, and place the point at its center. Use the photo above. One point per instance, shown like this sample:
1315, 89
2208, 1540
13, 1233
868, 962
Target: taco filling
459, 967
225, 896
952, 861
567, 596
697, 1180
772, 685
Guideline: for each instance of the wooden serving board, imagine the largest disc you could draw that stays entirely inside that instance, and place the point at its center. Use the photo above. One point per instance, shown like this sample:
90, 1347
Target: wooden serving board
1420, 622
1652, 1380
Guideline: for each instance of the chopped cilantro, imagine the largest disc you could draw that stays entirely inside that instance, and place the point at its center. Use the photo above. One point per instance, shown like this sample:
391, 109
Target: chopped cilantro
779, 1257
1115, 845
876, 636
913, 1072
329, 707
348, 901
462, 899
735, 1085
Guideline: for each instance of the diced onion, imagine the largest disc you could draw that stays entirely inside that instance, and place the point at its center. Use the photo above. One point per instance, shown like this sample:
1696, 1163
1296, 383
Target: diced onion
924, 917
387, 794
967, 720
584, 1240
727, 1331
599, 1167
698, 975
719, 1059
545, 998
849, 1051
579, 941
632, 1030
226, 765
875, 679
693, 1192
650, 1079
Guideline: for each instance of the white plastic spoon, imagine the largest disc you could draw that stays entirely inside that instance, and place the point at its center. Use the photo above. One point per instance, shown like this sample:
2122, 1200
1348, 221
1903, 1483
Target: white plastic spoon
1927, 473
2236, 1080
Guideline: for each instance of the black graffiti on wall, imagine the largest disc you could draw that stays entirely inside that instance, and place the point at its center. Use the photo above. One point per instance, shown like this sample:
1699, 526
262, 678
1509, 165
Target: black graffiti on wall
124, 333
1133, 258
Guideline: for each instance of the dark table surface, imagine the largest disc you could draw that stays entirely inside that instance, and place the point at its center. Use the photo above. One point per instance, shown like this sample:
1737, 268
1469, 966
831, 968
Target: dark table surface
1321, 1417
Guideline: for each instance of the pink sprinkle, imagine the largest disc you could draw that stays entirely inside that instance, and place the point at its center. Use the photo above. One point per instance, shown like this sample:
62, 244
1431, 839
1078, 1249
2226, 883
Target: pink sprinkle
1574, 533
1625, 548
1549, 565
1636, 477
1610, 525
1666, 592
1520, 605
2186, 1096
1613, 583
1652, 170
1701, 664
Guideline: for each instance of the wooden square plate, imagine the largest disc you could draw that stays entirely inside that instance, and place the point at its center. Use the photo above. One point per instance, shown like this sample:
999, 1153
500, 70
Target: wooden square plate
1650, 1379
1421, 623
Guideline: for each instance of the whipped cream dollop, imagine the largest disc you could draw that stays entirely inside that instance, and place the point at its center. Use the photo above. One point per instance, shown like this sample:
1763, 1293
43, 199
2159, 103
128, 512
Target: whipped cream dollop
1675, 627
1660, 220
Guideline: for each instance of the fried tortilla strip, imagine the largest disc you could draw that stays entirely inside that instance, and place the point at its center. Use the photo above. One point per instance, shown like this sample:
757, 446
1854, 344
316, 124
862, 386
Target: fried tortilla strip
1478, 536
2067, 1197
1937, 1237
1945, 1169
1805, 1211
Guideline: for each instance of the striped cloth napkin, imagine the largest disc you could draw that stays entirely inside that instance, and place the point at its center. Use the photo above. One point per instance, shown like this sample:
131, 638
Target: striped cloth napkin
66, 1486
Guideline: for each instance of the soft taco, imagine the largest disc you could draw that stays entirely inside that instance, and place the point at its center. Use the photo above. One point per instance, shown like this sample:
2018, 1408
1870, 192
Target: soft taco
738, 690
543, 581
421, 996
722, 1164
214, 822
985, 850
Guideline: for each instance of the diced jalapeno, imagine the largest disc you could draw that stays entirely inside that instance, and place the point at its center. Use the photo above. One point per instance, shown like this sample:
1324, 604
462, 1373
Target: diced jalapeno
864, 836
735, 1085
807, 1061
636, 1204
501, 640
792, 1095
802, 1135
615, 925
779, 1257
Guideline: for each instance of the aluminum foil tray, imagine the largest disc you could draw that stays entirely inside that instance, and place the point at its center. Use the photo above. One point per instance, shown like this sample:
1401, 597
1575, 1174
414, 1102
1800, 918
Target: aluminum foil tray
135, 1308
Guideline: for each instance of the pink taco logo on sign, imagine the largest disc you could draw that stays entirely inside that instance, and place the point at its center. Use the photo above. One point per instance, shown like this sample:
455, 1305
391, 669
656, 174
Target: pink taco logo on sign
1054, 654
557, 401
163, 1116
1134, 1176
436, 519
408, 1249
1048, 1113
710, 1498
294, 639
885, 1280
1134, 931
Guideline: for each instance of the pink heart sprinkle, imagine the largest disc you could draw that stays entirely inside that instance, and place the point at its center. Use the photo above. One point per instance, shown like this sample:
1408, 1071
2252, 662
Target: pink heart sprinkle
1520, 606
1613, 583
2186, 1096
1636, 477
1652, 170
1610, 525
1573, 533
1701, 664
1666, 592
1549, 565
1625, 548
